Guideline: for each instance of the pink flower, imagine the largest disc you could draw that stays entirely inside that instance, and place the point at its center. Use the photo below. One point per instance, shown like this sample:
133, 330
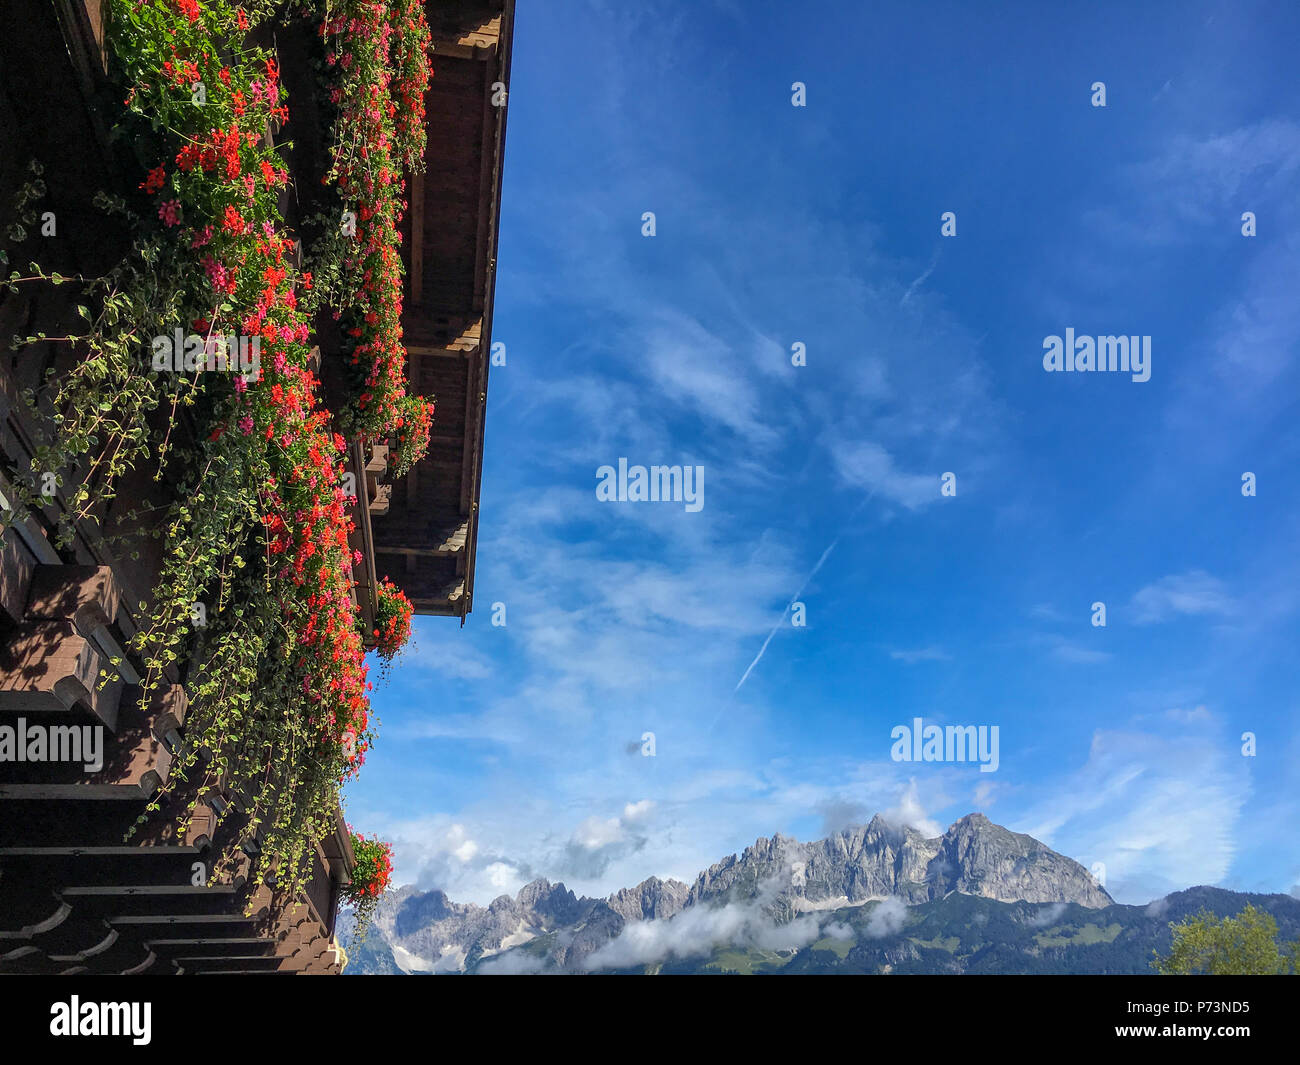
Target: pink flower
170, 212
245, 425
216, 272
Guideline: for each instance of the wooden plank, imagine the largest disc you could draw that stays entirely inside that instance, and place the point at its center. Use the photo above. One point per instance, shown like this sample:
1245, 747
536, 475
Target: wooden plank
416, 288
487, 153
76, 792
454, 50
85, 866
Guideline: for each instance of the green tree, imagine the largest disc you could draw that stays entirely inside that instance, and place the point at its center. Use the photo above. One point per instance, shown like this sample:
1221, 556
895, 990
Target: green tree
1245, 945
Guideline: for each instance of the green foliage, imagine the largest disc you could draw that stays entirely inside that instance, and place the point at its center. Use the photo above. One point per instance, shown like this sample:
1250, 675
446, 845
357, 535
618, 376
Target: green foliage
371, 875
1085, 936
255, 529
1245, 945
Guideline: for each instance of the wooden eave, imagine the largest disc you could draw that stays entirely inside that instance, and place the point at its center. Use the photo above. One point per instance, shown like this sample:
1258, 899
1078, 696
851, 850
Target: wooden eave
427, 541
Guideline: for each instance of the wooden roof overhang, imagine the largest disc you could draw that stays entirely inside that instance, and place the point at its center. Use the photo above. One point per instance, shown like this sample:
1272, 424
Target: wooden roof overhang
427, 538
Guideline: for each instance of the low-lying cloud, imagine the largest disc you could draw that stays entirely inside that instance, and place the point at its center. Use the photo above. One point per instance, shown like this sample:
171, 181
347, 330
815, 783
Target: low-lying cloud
1048, 915
701, 929
887, 919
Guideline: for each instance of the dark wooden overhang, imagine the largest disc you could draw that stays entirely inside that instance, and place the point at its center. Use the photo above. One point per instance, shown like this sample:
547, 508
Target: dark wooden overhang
426, 539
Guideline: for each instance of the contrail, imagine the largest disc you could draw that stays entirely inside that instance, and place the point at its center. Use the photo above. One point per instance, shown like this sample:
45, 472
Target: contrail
920, 280
793, 599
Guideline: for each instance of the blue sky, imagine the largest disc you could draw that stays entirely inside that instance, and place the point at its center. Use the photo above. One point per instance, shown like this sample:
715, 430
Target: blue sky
509, 752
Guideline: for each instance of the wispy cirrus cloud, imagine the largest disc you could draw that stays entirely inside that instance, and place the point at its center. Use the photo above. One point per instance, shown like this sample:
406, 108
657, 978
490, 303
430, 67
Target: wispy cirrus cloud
1160, 809
1191, 594
866, 464
921, 654
698, 370
1064, 649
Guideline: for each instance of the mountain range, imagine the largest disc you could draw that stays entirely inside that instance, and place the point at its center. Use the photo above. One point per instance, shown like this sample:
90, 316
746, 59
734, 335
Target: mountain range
875, 898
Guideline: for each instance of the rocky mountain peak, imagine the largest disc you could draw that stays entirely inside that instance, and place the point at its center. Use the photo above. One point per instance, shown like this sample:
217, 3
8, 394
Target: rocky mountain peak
977, 857
778, 875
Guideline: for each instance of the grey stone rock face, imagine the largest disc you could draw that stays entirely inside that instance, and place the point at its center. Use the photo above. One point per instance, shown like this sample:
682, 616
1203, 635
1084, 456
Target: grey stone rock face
781, 875
651, 899
977, 857
877, 860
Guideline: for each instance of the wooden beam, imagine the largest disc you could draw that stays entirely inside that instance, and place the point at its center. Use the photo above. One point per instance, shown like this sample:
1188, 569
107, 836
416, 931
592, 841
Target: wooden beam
474, 400
487, 167
416, 293
447, 351
452, 50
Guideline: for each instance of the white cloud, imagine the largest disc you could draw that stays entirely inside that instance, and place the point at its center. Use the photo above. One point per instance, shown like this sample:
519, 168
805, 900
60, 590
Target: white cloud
1160, 809
921, 654
696, 369
887, 919
1192, 183
598, 842
449, 854
1196, 177
865, 464
512, 963
1069, 651
699, 930
838, 930
466, 851
986, 794
436, 650
909, 812
1195, 593
595, 833
1048, 915
1199, 715
635, 811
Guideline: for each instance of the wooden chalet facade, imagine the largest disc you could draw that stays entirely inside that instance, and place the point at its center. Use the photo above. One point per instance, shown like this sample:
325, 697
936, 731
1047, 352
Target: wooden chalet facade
77, 896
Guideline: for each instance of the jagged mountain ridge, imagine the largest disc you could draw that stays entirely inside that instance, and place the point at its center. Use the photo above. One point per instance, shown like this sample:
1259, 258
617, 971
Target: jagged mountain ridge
879, 860
425, 932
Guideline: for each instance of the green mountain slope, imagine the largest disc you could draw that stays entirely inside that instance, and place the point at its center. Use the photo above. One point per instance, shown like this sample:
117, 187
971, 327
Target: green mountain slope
967, 934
